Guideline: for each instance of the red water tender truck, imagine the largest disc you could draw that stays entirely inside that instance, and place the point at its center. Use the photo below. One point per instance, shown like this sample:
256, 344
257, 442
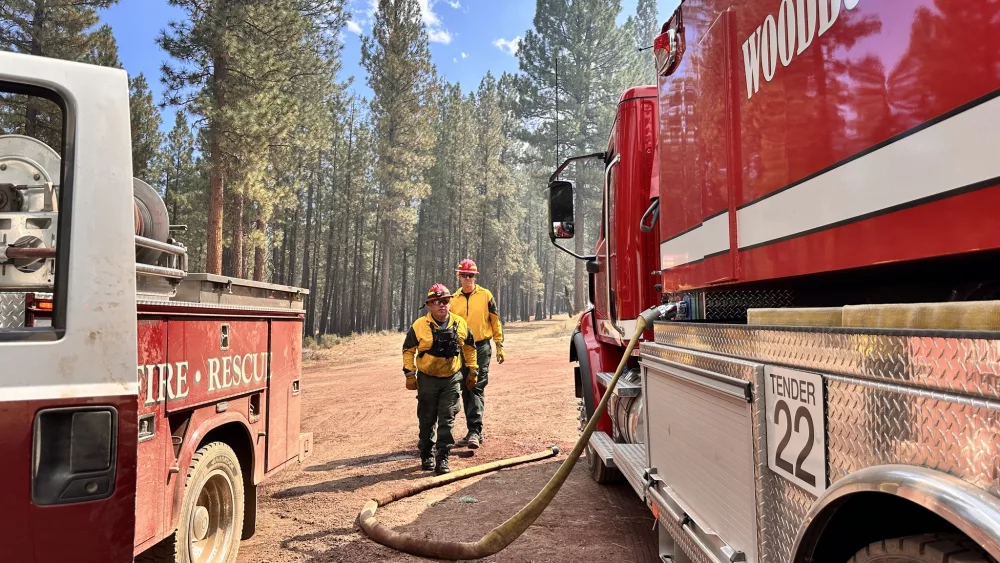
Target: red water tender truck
818, 216
140, 404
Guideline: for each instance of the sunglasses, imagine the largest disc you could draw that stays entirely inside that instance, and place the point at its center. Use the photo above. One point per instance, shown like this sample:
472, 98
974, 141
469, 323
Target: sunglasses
441, 302
466, 275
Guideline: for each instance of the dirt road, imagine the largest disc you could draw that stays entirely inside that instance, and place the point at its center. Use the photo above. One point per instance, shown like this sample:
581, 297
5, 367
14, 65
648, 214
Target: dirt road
365, 431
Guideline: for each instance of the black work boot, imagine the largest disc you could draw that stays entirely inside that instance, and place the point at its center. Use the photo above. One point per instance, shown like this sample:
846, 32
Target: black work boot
474, 441
442, 465
464, 441
427, 462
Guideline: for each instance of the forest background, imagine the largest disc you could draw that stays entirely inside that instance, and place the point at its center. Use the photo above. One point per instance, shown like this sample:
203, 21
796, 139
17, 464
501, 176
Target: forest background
283, 172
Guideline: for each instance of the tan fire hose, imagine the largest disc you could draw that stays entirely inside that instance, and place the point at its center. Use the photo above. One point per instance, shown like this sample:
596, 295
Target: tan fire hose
503, 535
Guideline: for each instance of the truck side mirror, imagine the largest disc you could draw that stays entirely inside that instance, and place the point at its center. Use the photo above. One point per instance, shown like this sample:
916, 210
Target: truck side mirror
561, 223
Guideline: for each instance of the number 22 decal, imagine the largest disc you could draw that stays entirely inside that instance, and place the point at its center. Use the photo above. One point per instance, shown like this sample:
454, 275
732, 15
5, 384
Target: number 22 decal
796, 426
801, 414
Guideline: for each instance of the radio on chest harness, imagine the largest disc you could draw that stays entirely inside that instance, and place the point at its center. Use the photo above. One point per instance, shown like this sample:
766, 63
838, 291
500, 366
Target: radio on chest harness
445, 342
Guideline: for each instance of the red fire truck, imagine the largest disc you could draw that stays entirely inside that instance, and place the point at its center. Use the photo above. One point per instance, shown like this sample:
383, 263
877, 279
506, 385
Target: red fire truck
810, 189
140, 404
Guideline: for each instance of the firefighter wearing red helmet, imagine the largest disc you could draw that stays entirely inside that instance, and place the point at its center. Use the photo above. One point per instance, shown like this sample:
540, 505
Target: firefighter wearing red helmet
438, 353
476, 305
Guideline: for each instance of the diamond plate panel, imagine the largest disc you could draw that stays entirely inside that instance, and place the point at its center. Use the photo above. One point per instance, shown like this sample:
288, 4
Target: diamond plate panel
876, 424
682, 540
965, 365
733, 305
888, 406
11, 310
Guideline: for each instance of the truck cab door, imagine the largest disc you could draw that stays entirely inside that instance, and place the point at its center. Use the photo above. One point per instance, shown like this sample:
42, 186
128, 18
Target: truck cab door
606, 306
68, 391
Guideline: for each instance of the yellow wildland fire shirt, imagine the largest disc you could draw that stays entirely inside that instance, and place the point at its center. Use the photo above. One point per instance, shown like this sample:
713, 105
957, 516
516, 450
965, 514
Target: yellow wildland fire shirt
419, 345
479, 309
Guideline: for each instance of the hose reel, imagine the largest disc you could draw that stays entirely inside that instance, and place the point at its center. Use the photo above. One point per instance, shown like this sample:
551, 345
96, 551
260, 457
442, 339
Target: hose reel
30, 182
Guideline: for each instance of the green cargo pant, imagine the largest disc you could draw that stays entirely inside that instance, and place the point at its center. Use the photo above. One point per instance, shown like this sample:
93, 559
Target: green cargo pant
437, 403
473, 400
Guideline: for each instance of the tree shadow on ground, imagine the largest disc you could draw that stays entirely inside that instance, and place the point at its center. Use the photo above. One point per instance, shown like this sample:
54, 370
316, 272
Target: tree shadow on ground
363, 460
351, 483
585, 522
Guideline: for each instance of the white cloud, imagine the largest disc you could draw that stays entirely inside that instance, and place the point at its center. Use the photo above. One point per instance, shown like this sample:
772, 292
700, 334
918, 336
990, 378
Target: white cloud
353, 27
465, 55
438, 36
509, 47
454, 60
436, 32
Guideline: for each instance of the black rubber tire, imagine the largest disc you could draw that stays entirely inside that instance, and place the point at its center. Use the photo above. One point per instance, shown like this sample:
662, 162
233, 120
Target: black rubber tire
216, 462
929, 548
600, 472
585, 375
163, 552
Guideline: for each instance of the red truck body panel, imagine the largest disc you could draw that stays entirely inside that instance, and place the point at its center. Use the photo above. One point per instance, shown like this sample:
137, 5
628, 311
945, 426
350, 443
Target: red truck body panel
53, 533
799, 137
198, 373
629, 271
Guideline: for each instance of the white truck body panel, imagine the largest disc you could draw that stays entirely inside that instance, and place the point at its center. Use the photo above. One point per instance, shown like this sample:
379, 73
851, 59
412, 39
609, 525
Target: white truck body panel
96, 351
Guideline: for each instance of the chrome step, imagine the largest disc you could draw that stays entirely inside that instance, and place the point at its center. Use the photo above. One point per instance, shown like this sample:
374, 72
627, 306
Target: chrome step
603, 444
625, 388
631, 461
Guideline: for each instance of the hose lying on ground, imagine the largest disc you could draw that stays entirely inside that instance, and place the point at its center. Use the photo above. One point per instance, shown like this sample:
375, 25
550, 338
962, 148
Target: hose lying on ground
503, 535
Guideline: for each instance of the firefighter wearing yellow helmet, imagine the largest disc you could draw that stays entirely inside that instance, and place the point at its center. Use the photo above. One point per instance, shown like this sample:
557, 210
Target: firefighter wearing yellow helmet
476, 305
438, 354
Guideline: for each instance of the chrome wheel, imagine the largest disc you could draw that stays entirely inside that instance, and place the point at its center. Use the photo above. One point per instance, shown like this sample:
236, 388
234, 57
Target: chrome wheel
211, 530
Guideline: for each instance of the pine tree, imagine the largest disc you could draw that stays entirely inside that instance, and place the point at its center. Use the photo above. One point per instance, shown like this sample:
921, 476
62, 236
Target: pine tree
145, 122
178, 168
646, 26
61, 29
595, 61
242, 67
397, 58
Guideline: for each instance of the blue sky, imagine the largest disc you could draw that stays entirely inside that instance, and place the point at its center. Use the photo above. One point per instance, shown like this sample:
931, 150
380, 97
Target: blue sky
468, 37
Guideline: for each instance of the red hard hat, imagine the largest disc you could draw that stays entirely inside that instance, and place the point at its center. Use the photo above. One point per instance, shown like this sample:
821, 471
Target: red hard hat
437, 291
467, 266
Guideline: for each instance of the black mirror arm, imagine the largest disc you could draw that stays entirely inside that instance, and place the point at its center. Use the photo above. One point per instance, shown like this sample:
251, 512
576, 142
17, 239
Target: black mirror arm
571, 253
566, 162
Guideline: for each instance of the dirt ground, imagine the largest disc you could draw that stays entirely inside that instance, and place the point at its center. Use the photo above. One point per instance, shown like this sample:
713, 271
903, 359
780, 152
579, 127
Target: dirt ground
365, 431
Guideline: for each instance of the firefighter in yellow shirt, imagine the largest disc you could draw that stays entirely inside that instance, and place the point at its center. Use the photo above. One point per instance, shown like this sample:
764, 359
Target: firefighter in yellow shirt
438, 354
476, 305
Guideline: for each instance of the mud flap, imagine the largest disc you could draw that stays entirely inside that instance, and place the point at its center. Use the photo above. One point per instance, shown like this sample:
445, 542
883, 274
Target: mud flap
305, 445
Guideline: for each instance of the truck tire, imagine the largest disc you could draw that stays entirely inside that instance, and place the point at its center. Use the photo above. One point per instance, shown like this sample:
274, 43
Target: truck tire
601, 473
211, 514
929, 548
585, 374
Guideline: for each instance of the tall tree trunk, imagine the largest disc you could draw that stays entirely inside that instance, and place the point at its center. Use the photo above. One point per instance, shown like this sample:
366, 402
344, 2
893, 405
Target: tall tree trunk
355, 304
403, 288
217, 177
385, 288
373, 293
306, 263
293, 246
330, 282
552, 286
279, 254
259, 252
31, 107
239, 206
